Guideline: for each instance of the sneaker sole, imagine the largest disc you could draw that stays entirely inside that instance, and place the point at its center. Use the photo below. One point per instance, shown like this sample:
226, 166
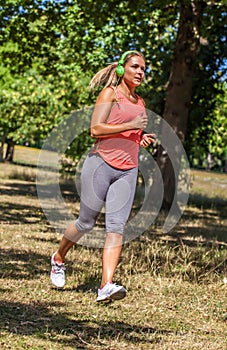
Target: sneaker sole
115, 296
55, 287
118, 295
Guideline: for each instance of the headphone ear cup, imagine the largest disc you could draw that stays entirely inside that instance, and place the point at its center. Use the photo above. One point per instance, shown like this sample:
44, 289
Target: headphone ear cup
120, 70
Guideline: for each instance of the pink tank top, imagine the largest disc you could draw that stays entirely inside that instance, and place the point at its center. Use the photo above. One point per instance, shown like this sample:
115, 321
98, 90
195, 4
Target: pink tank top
121, 150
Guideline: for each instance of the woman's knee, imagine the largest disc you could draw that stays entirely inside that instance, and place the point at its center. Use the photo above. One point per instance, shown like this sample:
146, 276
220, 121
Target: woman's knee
84, 226
115, 227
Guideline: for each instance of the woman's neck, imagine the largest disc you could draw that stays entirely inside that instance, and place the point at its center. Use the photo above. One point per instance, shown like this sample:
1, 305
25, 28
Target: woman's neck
128, 92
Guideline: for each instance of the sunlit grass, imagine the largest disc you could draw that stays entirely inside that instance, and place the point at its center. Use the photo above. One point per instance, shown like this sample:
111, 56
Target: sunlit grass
176, 292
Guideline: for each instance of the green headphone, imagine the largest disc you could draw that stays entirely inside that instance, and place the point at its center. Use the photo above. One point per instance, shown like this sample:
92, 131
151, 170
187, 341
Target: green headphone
120, 69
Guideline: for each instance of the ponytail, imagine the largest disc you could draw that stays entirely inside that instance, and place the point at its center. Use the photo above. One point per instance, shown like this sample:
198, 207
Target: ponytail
105, 76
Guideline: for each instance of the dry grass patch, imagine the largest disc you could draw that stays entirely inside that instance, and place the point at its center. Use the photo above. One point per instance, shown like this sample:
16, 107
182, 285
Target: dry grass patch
176, 296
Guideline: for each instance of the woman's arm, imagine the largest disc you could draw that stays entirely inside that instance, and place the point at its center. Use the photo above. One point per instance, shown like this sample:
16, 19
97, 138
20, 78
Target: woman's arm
99, 126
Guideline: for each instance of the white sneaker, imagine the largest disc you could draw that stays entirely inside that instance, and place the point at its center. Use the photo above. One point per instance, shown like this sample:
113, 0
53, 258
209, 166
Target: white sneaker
57, 274
111, 291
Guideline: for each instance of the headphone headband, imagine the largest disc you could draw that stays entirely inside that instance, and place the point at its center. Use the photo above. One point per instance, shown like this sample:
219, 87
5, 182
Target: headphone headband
124, 55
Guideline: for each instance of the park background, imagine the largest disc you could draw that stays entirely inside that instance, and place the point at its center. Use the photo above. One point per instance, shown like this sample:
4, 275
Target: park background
176, 281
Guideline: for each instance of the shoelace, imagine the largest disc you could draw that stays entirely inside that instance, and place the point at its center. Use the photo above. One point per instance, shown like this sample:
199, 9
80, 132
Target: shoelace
112, 284
58, 267
115, 284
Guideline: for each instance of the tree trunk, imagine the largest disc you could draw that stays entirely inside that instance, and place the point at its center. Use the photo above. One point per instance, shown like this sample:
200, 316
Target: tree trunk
9, 150
179, 89
209, 158
2, 148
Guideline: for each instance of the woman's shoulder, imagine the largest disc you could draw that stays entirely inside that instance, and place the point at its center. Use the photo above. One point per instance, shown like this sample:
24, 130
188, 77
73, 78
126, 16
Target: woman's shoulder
106, 95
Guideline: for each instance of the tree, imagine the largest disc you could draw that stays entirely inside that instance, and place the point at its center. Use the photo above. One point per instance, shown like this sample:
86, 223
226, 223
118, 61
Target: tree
209, 87
39, 86
64, 45
179, 87
209, 140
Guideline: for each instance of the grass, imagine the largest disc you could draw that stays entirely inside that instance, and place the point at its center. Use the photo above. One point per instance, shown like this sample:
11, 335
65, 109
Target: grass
176, 295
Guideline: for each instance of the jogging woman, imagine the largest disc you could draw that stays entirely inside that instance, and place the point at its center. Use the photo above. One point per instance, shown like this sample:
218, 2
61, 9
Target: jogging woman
110, 168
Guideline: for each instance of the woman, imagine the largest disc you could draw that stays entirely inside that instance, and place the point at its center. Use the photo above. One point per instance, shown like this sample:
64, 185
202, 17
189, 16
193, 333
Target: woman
118, 121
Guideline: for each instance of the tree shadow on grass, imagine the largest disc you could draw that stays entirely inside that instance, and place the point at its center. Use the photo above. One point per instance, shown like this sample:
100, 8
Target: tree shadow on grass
68, 189
202, 222
18, 209
18, 189
38, 320
18, 264
206, 201
22, 212
193, 234
15, 213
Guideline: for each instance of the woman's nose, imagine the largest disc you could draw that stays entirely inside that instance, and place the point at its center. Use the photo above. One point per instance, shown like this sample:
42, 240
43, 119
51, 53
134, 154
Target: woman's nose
140, 70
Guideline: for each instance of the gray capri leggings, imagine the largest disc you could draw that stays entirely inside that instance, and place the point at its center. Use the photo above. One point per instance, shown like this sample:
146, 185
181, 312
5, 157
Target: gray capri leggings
102, 184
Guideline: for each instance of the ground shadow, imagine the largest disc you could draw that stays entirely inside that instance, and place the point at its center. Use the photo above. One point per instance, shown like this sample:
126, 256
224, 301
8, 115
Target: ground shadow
15, 213
203, 201
18, 189
201, 225
39, 320
18, 264
21, 264
68, 189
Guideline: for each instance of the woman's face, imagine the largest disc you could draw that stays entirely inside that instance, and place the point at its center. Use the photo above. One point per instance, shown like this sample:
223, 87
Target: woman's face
134, 71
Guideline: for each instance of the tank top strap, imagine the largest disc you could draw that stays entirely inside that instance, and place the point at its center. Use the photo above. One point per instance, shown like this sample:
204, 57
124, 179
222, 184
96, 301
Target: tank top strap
116, 97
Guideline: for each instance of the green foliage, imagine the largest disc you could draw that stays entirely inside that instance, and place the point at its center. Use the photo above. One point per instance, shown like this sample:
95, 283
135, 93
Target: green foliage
209, 138
50, 50
29, 109
205, 128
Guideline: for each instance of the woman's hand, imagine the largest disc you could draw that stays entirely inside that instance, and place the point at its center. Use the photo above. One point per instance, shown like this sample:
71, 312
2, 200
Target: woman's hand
139, 122
147, 139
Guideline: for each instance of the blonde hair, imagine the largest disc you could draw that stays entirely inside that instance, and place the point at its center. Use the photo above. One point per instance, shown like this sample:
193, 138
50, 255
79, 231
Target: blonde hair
108, 76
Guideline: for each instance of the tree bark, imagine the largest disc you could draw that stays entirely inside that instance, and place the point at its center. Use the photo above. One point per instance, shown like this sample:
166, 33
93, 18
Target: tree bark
179, 89
9, 150
2, 148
